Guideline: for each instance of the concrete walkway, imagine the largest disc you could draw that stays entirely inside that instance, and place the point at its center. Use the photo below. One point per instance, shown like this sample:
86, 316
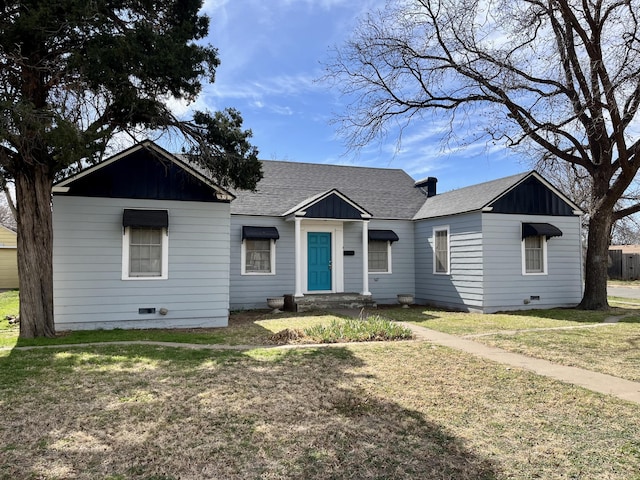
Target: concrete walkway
597, 382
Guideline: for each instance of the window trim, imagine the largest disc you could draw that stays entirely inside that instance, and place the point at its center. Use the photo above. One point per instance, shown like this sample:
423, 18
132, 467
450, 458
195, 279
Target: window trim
126, 243
545, 269
444, 228
389, 259
243, 257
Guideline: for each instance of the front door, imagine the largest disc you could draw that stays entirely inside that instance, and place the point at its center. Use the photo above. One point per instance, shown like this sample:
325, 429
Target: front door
319, 261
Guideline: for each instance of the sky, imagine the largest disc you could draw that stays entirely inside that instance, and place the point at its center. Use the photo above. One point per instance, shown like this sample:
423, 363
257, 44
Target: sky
272, 54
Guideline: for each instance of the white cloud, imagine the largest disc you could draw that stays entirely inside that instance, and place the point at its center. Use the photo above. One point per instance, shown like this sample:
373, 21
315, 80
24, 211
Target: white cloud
281, 85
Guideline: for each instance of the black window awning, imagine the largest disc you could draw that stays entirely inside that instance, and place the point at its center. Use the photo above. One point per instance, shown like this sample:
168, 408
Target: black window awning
539, 230
260, 233
145, 218
383, 236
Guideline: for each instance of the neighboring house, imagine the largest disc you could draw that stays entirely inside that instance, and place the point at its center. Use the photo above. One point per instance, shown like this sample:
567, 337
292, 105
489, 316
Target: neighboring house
144, 239
8, 258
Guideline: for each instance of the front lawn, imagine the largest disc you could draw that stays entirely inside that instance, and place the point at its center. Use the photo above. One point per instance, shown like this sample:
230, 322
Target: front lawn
458, 323
245, 328
613, 348
385, 410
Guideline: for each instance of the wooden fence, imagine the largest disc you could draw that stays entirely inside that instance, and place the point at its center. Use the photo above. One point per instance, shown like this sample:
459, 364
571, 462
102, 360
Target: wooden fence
623, 265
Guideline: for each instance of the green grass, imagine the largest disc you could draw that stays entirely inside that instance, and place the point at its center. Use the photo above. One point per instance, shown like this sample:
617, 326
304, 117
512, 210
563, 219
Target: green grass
245, 328
628, 302
9, 305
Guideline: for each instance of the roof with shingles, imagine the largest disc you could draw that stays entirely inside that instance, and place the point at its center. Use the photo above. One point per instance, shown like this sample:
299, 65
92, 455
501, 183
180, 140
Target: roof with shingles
468, 199
385, 193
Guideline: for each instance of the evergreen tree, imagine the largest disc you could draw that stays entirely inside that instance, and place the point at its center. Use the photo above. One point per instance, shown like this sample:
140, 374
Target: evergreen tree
74, 73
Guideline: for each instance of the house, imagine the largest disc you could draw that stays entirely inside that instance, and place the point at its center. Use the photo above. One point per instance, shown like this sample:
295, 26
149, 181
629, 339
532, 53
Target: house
145, 239
140, 240
8, 258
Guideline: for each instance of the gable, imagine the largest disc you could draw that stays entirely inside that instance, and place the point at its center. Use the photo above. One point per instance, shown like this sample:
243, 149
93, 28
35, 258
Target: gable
141, 174
333, 206
532, 197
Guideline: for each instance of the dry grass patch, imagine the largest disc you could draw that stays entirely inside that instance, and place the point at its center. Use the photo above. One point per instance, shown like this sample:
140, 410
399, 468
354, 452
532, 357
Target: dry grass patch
252, 327
612, 349
393, 410
460, 323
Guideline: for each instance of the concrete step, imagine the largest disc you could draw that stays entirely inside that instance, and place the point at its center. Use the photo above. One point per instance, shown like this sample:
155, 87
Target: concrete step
327, 301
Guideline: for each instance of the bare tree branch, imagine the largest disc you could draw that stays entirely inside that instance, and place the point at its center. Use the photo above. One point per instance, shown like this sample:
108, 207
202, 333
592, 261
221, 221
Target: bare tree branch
560, 77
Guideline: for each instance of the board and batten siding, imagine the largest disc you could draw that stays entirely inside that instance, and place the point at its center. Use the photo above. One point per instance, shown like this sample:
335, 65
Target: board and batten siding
506, 288
89, 292
251, 291
462, 288
8, 258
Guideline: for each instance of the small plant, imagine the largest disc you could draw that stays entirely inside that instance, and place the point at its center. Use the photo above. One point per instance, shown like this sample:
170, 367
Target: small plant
372, 328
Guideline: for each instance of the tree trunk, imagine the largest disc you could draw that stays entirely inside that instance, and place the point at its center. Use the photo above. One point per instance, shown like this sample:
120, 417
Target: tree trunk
35, 251
597, 262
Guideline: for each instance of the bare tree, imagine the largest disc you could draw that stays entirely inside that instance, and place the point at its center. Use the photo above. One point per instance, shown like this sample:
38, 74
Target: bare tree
626, 231
6, 215
559, 78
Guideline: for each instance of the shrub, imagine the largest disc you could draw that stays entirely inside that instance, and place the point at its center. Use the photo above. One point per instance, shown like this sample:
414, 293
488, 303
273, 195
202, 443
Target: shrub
372, 328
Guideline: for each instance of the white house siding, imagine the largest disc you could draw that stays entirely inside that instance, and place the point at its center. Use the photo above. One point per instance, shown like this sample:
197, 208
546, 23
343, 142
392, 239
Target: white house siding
89, 292
252, 291
462, 288
352, 263
506, 288
385, 287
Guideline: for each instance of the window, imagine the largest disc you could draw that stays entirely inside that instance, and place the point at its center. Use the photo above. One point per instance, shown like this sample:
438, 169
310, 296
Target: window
441, 250
534, 255
379, 257
145, 253
259, 256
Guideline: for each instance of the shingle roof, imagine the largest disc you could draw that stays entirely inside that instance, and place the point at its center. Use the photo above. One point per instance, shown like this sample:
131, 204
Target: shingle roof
467, 199
385, 193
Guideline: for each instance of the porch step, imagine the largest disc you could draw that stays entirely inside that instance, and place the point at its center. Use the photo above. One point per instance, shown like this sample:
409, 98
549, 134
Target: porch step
327, 301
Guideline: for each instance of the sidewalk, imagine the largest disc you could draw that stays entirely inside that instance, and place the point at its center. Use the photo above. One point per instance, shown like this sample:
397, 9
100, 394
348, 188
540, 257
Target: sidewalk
597, 382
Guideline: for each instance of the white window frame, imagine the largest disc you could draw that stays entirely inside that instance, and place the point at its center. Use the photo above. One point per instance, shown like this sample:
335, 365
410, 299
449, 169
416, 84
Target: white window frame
389, 260
243, 258
444, 228
544, 258
126, 241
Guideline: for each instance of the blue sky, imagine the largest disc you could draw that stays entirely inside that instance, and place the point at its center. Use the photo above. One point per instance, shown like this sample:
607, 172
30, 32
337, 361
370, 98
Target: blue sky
272, 53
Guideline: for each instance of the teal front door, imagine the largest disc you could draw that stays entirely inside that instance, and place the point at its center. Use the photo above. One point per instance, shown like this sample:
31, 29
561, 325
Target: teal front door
319, 261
